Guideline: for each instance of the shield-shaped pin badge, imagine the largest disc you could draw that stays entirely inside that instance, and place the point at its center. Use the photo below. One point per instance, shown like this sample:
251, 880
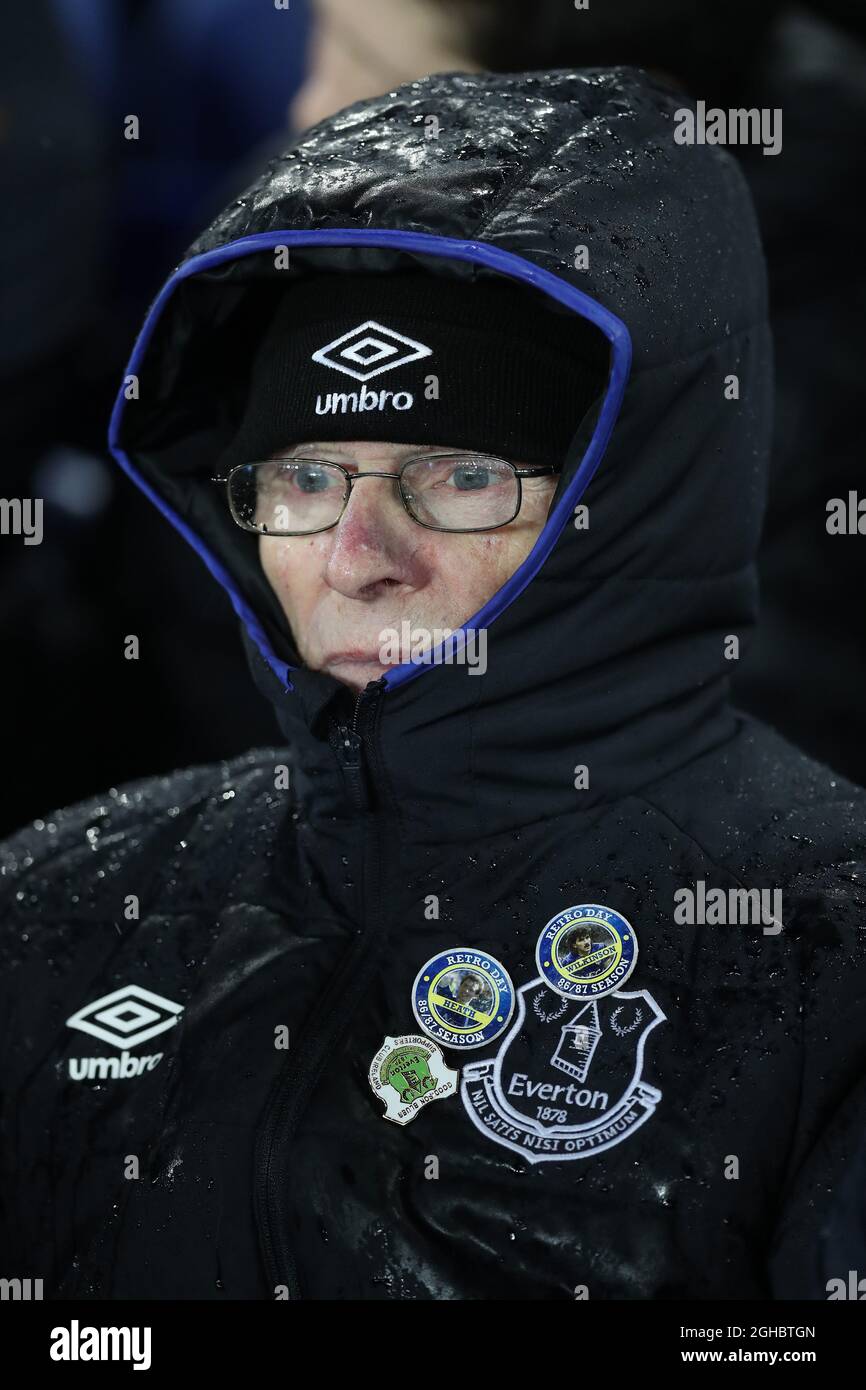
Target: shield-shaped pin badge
568, 1079
407, 1073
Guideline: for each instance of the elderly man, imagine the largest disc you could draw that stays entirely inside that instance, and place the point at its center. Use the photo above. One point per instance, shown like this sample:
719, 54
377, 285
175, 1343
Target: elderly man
486, 355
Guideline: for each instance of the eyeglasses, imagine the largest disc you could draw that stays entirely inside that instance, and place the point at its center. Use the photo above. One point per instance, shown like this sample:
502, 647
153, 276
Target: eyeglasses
442, 491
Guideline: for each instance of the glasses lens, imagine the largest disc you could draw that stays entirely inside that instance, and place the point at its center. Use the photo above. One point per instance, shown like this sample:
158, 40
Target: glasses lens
461, 492
287, 496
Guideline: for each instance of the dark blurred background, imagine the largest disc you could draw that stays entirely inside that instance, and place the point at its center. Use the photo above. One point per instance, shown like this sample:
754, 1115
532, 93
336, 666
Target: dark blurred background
91, 224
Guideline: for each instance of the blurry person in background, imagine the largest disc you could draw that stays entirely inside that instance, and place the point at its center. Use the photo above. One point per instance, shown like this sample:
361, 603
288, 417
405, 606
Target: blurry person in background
358, 51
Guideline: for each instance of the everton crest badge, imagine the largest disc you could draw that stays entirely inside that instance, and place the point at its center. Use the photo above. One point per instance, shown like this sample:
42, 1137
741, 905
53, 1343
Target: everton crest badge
407, 1073
567, 1081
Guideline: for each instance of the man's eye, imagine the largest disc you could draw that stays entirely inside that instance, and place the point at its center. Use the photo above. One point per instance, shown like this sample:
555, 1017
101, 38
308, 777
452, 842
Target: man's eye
308, 479
471, 479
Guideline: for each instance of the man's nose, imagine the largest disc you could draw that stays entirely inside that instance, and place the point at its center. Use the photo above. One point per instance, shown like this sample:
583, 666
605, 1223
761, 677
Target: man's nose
375, 543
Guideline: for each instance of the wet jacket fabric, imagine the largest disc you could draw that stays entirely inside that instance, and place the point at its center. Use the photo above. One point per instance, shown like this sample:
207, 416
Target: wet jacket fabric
198, 969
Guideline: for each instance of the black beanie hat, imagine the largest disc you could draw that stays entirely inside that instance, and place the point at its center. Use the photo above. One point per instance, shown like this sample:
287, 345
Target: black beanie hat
418, 358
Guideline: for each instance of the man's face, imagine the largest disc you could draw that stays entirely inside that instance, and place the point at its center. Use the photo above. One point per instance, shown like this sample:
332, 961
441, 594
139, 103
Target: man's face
469, 988
377, 568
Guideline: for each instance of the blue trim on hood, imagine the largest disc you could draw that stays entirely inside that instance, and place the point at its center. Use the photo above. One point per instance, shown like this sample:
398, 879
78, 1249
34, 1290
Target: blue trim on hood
449, 248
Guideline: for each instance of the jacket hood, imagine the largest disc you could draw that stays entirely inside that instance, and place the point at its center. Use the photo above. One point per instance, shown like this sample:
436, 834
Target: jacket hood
606, 648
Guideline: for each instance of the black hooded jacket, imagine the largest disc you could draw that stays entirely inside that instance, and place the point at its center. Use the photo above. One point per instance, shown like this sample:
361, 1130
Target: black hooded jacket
727, 1095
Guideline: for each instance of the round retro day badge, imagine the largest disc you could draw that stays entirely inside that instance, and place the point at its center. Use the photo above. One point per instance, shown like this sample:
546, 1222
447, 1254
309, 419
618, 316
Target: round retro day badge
586, 951
463, 998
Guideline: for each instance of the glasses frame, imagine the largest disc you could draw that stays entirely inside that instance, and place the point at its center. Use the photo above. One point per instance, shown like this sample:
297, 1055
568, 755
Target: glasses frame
353, 478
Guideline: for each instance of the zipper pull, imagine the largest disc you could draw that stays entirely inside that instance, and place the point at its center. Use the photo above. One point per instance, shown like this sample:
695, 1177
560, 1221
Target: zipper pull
349, 746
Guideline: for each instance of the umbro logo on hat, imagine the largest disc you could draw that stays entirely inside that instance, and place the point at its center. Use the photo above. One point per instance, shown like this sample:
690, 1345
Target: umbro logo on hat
373, 348
479, 364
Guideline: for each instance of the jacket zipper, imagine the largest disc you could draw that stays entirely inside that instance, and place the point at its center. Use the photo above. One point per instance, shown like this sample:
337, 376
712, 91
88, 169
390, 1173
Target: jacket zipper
349, 749
299, 1075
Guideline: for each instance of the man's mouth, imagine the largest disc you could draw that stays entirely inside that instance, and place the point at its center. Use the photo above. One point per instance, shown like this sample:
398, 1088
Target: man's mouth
354, 657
